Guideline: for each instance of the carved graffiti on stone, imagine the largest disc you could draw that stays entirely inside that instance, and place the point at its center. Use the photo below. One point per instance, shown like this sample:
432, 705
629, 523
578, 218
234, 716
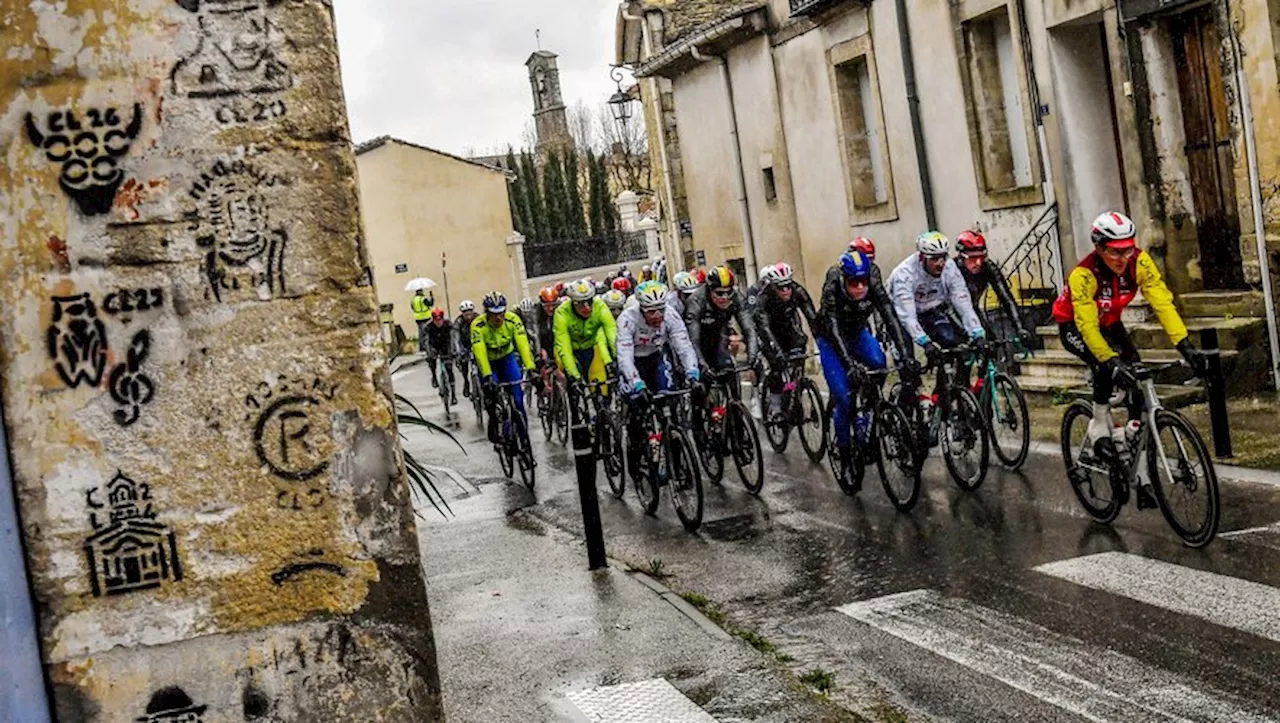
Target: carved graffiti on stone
238, 52
242, 247
313, 560
129, 386
88, 150
129, 550
172, 705
77, 341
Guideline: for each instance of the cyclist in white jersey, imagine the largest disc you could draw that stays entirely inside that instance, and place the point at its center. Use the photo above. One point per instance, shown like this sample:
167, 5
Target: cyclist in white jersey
924, 287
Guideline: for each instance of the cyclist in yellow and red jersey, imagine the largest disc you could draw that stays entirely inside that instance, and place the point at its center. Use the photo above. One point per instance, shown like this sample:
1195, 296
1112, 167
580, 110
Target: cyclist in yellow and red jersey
1088, 315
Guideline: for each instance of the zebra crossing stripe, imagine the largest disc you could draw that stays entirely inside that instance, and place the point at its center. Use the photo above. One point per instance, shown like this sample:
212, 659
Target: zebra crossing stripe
1093, 683
655, 701
1227, 601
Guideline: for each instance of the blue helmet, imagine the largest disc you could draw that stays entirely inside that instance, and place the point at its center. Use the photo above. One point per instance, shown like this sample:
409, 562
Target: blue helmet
495, 302
855, 265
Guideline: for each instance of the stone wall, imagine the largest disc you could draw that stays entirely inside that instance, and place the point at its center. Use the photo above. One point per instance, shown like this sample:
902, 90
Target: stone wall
204, 448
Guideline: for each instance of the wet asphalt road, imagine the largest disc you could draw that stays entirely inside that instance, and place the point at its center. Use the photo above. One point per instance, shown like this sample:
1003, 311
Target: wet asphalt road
943, 612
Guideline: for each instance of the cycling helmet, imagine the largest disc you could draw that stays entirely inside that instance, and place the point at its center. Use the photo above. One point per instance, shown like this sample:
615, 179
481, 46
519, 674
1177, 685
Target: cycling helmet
615, 299
601, 287
720, 277
779, 273
548, 295
495, 303
855, 265
764, 273
622, 284
865, 245
651, 295
932, 243
580, 290
686, 282
437, 313
466, 307
527, 305
1113, 229
971, 242
559, 287
700, 274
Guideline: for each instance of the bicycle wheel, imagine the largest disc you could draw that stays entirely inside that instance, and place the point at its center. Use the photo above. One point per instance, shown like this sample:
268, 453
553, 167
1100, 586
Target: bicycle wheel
964, 440
744, 443
899, 469
609, 448
848, 473
506, 448
684, 480
1090, 478
546, 413
561, 406
1185, 481
477, 399
709, 449
644, 479
813, 431
446, 390
778, 430
1005, 409
523, 449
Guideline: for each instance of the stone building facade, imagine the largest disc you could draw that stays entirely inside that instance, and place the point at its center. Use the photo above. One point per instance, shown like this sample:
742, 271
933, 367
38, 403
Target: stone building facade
199, 415
885, 118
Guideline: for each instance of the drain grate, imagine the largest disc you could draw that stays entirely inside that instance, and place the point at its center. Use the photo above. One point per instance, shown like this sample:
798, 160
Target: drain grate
653, 700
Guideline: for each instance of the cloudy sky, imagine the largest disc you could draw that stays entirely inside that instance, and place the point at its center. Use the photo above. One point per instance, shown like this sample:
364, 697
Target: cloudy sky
450, 73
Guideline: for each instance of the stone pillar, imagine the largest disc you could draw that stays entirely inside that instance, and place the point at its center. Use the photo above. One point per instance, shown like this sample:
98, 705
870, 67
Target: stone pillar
652, 237
203, 442
628, 204
519, 273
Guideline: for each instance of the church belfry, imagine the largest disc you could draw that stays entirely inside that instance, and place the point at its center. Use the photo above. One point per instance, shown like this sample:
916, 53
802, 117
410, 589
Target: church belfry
549, 116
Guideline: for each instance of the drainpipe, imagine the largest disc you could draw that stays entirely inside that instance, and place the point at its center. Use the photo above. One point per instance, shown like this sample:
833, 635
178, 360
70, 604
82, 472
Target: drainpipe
1255, 194
913, 105
672, 249
23, 695
744, 207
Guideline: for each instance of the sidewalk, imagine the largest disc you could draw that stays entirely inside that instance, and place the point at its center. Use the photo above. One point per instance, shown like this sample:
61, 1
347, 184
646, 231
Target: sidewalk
525, 633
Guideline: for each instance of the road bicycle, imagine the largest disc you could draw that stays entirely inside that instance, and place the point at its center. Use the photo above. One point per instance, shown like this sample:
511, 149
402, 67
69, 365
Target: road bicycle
1178, 464
553, 405
607, 425
468, 368
513, 446
728, 430
1004, 406
801, 410
955, 421
882, 434
664, 457
445, 378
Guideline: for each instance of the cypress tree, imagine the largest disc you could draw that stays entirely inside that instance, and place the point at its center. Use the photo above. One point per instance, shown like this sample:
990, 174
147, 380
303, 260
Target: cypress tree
577, 219
515, 196
533, 199
595, 213
555, 197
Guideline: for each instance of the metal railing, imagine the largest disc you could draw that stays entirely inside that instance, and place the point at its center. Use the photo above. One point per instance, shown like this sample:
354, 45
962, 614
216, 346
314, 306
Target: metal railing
1034, 267
548, 258
805, 7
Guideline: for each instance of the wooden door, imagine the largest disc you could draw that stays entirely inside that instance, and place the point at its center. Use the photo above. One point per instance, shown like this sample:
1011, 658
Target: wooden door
1197, 46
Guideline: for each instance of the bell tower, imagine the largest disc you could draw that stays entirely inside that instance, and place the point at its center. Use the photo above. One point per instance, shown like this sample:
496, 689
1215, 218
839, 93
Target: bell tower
549, 116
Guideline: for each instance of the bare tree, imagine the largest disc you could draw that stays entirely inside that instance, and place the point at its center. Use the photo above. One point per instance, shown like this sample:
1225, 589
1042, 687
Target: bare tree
529, 138
627, 149
582, 127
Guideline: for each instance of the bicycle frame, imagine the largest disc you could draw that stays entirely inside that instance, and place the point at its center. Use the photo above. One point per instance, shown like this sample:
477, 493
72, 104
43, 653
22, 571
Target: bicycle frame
1148, 438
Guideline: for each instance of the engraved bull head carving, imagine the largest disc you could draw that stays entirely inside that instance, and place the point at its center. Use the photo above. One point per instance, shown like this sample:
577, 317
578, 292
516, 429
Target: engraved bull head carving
88, 149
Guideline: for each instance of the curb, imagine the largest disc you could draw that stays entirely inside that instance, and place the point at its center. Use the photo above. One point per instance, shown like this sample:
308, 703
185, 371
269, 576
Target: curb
679, 603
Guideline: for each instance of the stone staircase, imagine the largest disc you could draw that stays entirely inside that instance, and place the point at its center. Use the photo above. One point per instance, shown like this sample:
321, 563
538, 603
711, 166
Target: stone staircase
1237, 315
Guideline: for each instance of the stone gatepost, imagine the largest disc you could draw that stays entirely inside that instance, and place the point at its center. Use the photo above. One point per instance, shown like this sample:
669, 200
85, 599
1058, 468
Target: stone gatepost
203, 442
652, 238
628, 204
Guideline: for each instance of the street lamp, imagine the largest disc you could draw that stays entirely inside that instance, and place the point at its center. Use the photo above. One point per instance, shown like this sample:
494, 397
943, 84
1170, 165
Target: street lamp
620, 102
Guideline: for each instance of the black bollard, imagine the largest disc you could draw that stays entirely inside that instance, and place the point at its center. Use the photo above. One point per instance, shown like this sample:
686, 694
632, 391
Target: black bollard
584, 459
1215, 386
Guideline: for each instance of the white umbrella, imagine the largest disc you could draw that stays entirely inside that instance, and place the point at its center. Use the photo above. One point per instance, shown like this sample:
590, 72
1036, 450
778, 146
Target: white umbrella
421, 282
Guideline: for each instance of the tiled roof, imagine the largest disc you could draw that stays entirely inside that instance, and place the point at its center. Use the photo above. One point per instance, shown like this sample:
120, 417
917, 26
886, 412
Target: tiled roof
684, 17
383, 140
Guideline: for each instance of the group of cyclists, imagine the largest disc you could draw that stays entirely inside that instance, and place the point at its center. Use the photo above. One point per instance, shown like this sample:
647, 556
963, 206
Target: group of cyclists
648, 336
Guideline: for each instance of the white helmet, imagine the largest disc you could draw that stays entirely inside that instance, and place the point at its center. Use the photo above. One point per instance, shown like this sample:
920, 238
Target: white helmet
651, 295
527, 305
615, 299
932, 243
779, 273
1113, 228
466, 307
764, 273
580, 290
686, 282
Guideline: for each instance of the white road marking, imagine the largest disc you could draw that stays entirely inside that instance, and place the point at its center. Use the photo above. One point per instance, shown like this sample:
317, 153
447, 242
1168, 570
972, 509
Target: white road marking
1273, 527
653, 700
1094, 683
1227, 601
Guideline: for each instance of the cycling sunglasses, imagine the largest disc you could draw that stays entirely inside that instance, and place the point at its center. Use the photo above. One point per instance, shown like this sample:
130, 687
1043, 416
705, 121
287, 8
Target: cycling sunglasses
723, 293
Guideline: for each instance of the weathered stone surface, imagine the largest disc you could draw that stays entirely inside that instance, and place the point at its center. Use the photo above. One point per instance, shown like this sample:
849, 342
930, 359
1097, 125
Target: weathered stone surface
202, 437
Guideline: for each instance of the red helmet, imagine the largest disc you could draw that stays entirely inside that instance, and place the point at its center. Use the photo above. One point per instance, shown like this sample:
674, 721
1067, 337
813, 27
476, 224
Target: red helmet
700, 274
559, 288
622, 284
865, 245
971, 242
437, 313
548, 295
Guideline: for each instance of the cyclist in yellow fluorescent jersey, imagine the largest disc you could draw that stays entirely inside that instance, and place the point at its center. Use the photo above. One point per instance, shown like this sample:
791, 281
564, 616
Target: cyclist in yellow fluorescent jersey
501, 350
